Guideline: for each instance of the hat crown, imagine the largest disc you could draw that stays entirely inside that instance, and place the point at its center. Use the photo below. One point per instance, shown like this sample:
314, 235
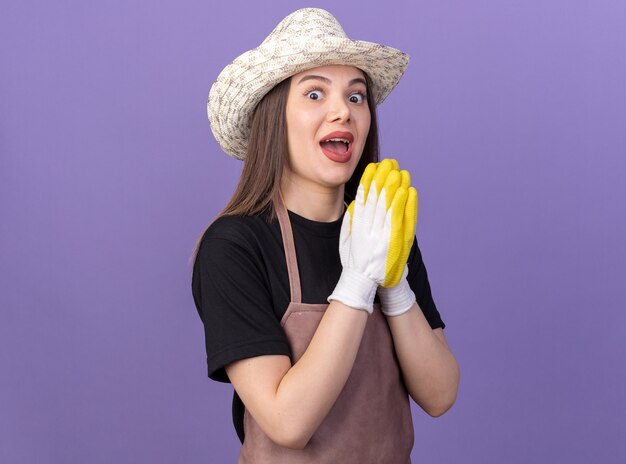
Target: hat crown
309, 23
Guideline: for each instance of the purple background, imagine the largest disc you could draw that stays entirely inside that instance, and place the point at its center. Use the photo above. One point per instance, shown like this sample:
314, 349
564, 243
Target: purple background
511, 118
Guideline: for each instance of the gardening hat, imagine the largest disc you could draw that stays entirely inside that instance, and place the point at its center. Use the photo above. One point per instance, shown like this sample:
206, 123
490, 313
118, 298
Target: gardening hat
305, 39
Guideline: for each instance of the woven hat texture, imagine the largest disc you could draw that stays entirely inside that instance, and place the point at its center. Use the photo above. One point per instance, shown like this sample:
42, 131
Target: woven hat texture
305, 39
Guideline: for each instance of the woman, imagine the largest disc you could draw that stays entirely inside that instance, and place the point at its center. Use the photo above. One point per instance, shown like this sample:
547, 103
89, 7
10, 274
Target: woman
285, 279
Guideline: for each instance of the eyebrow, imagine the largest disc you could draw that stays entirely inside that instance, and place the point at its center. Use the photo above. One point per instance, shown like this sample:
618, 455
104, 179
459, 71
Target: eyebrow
328, 81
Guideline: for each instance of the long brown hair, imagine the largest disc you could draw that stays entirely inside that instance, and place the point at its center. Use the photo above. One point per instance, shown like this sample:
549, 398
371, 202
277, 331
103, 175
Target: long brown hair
267, 153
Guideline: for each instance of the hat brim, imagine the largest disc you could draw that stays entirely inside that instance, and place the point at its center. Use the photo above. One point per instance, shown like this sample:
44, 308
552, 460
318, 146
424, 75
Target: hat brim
244, 82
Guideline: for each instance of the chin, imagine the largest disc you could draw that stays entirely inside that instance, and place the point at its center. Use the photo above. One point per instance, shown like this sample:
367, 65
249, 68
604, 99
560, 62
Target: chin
338, 175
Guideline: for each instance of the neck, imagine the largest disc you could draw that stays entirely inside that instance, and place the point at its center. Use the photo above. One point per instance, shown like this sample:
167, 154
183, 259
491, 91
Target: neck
314, 202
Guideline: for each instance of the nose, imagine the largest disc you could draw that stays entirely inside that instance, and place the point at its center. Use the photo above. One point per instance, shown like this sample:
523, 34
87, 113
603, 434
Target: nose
338, 110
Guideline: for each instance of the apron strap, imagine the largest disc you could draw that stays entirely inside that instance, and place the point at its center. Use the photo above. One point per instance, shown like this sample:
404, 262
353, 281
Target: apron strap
290, 249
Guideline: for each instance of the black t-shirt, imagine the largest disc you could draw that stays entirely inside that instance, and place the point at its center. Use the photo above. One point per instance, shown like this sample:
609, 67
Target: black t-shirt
241, 287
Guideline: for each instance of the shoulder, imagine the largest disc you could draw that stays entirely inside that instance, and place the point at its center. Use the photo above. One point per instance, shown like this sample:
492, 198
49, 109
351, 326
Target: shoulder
244, 231
237, 239
230, 247
236, 227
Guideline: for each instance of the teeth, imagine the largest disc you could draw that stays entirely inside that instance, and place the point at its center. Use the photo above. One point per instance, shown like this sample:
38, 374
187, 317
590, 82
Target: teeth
347, 143
337, 140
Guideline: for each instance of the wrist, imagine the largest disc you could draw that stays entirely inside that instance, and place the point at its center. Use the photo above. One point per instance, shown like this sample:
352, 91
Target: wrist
397, 300
355, 290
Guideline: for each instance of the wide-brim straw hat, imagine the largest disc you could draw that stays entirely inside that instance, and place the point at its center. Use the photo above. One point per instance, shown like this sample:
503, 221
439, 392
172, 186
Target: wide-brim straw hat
305, 39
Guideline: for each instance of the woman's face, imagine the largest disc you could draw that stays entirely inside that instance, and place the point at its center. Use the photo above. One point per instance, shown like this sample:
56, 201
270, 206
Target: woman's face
327, 124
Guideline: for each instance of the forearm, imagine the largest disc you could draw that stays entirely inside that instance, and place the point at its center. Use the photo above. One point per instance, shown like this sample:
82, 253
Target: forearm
309, 388
322, 371
430, 371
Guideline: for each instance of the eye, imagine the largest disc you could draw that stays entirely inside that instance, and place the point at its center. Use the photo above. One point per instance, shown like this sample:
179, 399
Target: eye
314, 94
357, 98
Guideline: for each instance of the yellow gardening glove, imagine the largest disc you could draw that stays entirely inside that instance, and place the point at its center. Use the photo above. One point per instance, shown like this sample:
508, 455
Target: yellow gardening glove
404, 224
371, 238
404, 219
396, 295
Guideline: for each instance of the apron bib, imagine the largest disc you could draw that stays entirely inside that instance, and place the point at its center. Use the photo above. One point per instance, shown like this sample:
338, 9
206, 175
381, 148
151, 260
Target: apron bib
370, 423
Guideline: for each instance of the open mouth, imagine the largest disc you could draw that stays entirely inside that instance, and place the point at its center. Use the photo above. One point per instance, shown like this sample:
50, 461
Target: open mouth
337, 145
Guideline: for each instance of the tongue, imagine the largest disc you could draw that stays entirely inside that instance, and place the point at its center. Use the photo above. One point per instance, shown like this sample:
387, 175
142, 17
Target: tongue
335, 147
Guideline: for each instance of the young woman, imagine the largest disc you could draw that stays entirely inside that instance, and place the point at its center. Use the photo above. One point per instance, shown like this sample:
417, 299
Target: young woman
321, 318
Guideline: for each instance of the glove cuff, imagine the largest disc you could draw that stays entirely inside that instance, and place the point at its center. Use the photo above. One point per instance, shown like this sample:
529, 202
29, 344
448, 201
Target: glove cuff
396, 300
355, 290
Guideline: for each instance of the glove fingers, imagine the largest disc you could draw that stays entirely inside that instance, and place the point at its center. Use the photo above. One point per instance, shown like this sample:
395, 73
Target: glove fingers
410, 215
409, 224
368, 177
382, 171
395, 218
369, 211
381, 213
344, 235
406, 179
374, 229
350, 211
392, 183
357, 208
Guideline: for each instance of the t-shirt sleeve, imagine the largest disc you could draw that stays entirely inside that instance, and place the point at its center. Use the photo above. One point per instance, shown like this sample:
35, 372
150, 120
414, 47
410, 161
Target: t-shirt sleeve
233, 299
418, 281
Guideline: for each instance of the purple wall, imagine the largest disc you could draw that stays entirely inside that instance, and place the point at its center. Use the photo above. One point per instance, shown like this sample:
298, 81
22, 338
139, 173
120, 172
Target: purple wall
512, 120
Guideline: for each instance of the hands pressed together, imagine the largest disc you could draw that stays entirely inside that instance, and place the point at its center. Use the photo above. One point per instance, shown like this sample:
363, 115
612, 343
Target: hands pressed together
376, 237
